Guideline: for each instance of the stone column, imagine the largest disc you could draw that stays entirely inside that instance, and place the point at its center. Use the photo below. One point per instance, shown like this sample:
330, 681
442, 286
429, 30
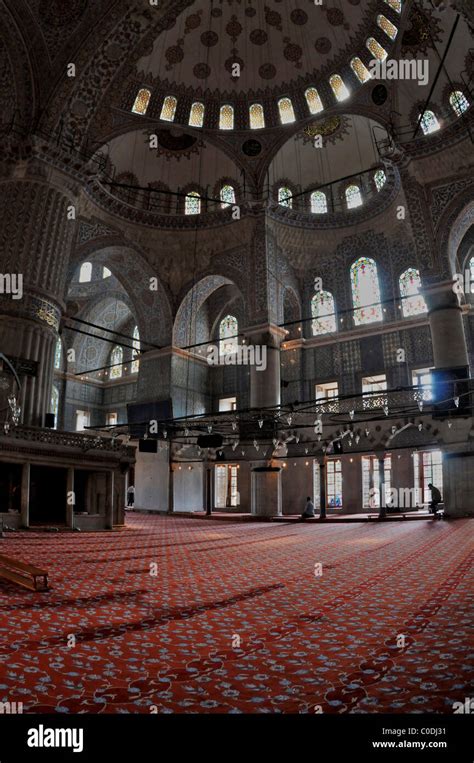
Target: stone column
265, 385
446, 324
70, 498
381, 488
109, 500
25, 495
266, 493
35, 241
322, 489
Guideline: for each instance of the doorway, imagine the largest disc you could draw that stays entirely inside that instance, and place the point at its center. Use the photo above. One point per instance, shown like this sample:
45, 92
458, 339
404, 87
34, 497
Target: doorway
48, 495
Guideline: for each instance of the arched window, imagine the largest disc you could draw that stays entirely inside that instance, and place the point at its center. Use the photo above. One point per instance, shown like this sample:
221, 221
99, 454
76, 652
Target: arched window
136, 351
376, 49
353, 196
285, 197
412, 301
395, 5
380, 179
458, 102
323, 313
196, 115
54, 404
360, 70
313, 100
106, 273
471, 270
338, 87
141, 101
228, 339
116, 361
227, 195
387, 26
85, 273
287, 114
58, 354
365, 291
226, 117
192, 203
429, 122
168, 110
256, 115
319, 203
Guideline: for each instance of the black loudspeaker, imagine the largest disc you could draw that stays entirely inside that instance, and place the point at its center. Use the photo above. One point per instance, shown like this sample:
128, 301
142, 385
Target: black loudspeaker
148, 446
338, 447
450, 384
379, 95
49, 420
210, 440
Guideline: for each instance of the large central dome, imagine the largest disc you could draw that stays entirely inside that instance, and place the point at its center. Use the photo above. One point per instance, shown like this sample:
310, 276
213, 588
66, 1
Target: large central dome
275, 44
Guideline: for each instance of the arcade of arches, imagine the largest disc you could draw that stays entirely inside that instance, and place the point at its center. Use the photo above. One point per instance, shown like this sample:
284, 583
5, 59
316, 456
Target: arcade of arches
227, 180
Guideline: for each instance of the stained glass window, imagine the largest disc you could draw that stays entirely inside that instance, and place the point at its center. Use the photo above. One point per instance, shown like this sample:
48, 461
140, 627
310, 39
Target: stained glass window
412, 301
257, 118
58, 353
380, 179
141, 101
136, 350
287, 114
227, 196
429, 122
168, 109
106, 273
228, 339
55, 404
323, 313
459, 102
338, 87
353, 196
376, 49
387, 26
226, 117
313, 100
116, 360
85, 273
196, 115
360, 70
192, 203
365, 291
395, 5
285, 197
319, 203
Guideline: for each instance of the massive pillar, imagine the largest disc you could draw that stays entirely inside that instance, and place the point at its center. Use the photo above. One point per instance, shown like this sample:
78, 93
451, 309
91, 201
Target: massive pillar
36, 235
446, 324
266, 500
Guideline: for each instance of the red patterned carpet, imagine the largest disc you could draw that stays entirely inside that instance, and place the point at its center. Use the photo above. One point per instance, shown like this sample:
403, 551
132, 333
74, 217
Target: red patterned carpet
169, 643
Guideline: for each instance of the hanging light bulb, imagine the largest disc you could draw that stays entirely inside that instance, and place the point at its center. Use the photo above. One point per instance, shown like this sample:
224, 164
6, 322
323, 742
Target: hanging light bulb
186, 432
289, 419
357, 438
420, 427
234, 425
385, 410
209, 428
367, 432
260, 423
456, 402
351, 414
319, 438
274, 441
450, 423
243, 452
394, 429
234, 445
351, 434
420, 405
297, 438
306, 451
165, 433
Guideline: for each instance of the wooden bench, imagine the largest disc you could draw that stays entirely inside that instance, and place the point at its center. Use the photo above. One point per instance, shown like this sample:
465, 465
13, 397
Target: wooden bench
23, 574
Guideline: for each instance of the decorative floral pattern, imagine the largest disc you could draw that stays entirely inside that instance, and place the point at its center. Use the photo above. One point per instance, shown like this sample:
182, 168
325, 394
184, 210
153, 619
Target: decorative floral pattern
167, 643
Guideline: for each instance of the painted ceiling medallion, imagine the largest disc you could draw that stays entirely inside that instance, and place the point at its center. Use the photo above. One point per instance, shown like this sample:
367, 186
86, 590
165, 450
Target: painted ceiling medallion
332, 129
423, 30
58, 14
175, 144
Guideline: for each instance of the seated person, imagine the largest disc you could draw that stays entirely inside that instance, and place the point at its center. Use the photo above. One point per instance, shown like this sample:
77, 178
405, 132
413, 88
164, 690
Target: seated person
309, 509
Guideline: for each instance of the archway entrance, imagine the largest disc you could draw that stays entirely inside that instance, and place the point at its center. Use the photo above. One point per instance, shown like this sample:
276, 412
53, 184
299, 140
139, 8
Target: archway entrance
48, 495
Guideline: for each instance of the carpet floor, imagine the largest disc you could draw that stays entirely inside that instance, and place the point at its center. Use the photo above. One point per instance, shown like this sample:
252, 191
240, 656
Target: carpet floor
177, 615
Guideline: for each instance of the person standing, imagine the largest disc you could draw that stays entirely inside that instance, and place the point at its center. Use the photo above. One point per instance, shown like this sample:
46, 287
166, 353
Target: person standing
131, 496
435, 498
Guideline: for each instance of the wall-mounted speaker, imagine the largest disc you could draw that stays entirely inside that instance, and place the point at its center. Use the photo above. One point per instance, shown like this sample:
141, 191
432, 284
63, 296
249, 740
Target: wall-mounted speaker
379, 95
210, 440
49, 420
148, 446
